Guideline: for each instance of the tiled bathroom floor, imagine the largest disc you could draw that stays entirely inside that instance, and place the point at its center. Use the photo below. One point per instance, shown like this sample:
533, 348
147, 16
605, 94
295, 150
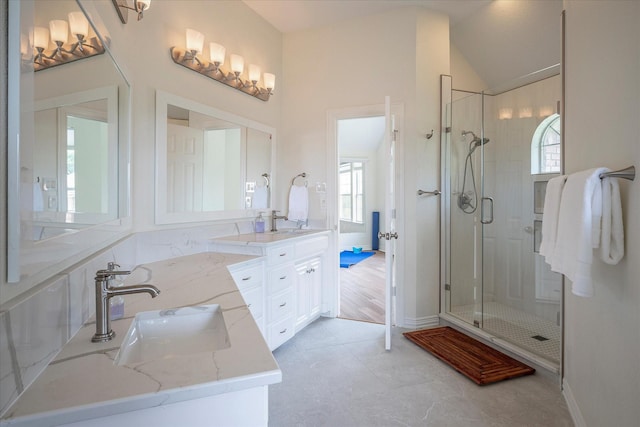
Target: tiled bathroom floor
518, 327
337, 373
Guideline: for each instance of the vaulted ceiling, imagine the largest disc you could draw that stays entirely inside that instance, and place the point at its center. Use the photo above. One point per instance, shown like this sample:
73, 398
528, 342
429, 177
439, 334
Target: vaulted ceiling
503, 40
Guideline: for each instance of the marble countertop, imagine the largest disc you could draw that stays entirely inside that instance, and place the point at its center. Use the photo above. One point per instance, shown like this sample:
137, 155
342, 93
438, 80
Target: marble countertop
267, 238
82, 382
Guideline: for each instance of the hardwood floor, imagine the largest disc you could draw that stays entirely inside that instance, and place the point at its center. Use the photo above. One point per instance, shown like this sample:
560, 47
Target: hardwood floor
362, 290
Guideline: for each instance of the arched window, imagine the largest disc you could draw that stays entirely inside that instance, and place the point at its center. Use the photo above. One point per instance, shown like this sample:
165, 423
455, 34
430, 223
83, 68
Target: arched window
545, 146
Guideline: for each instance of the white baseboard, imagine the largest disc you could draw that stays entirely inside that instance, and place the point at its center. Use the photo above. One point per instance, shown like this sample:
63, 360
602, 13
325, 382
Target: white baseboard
421, 322
574, 410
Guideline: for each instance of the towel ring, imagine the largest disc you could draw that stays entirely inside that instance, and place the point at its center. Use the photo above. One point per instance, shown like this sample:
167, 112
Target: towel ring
300, 175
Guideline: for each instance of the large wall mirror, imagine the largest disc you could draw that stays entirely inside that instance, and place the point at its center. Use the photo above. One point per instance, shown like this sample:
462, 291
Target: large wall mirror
70, 166
210, 164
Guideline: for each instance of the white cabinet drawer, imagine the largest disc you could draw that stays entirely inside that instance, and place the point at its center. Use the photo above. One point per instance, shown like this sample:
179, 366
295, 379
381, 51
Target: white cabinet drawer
280, 254
279, 279
280, 306
312, 246
279, 332
247, 277
253, 298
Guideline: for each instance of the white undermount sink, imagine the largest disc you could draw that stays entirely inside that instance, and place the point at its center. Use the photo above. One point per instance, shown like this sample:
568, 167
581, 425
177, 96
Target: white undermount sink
164, 334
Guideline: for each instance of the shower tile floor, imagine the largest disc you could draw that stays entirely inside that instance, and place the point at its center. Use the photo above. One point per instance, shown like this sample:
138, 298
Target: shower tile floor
337, 373
518, 327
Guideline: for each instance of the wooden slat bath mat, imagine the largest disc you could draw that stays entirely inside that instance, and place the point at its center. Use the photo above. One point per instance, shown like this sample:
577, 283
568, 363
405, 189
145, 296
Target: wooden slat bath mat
477, 361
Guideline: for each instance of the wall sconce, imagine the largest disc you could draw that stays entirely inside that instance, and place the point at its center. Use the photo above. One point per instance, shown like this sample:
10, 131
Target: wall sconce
139, 6
213, 69
505, 113
525, 113
64, 51
545, 111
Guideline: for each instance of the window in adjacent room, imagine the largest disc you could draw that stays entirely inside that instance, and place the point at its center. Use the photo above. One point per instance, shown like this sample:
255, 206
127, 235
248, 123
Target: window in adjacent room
352, 191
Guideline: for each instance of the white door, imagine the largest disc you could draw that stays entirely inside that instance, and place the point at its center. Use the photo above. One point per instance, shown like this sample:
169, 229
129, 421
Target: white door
389, 234
184, 168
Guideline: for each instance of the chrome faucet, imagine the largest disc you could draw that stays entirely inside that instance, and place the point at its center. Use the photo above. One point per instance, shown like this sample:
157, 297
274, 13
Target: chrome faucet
274, 218
104, 292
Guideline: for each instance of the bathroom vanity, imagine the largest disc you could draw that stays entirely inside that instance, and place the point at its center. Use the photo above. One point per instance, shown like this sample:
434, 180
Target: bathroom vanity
85, 386
284, 290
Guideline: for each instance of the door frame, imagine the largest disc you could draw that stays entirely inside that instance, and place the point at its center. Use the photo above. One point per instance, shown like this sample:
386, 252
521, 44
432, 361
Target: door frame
331, 295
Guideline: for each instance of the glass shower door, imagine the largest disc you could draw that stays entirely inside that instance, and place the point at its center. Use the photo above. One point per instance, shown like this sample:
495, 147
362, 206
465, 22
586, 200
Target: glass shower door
462, 198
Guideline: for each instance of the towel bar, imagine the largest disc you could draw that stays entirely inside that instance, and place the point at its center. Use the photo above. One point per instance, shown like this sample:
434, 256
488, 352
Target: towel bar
431, 193
303, 175
626, 173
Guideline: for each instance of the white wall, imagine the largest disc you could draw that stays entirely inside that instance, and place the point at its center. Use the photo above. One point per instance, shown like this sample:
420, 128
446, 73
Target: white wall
356, 63
602, 344
143, 48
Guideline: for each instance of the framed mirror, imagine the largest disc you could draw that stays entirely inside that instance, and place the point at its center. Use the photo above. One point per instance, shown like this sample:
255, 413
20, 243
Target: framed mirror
210, 164
68, 156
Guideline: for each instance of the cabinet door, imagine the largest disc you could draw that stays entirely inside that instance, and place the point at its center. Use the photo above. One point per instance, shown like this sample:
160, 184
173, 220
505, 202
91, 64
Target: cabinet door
308, 292
302, 294
315, 292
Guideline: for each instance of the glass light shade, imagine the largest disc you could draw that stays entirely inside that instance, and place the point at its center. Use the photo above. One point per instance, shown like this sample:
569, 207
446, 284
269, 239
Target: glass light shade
78, 24
254, 73
41, 37
237, 63
143, 4
59, 30
269, 80
217, 52
195, 40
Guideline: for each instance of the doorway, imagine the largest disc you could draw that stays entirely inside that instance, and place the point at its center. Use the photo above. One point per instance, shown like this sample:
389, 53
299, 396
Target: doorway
361, 198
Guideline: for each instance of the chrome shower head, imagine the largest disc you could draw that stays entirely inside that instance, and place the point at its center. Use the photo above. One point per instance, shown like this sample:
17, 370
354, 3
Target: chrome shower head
475, 142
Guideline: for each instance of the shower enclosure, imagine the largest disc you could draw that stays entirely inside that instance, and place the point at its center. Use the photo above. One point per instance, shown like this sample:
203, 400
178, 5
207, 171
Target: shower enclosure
498, 152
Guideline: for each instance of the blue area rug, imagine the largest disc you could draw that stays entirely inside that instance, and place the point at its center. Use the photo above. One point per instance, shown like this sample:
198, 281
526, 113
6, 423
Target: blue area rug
348, 258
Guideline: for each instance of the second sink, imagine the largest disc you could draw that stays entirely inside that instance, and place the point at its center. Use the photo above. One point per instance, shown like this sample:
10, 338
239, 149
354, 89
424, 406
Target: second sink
164, 334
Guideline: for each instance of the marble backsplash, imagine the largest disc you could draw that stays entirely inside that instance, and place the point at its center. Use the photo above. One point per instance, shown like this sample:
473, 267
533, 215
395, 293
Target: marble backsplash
34, 330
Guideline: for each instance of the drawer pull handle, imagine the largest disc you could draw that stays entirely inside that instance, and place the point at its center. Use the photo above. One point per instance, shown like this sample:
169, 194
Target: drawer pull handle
283, 331
283, 304
249, 306
283, 254
246, 278
283, 277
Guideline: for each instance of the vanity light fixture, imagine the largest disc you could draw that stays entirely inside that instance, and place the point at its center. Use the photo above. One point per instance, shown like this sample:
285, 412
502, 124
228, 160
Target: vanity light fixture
139, 6
64, 51
213, 68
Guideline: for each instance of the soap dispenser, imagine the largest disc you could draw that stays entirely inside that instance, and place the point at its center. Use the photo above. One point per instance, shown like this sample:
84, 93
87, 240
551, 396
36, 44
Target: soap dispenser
260, 223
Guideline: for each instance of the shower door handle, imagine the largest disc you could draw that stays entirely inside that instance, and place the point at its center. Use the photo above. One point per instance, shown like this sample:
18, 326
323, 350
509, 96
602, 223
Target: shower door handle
482, 217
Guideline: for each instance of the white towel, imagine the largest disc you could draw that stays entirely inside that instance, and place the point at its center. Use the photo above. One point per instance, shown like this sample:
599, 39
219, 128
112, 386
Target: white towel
578, 229
612, 237
551, 211
260, 197
298, 203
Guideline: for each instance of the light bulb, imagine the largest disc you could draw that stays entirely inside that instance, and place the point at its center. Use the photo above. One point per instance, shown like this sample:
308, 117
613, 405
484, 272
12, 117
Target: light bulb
217, 53
40, 37
254, 73
195, 40
237, 64
269, 81
59, 31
